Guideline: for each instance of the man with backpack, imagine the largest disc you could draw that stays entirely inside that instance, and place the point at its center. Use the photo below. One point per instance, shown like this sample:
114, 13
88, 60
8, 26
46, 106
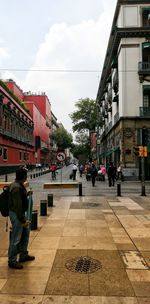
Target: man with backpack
18, 205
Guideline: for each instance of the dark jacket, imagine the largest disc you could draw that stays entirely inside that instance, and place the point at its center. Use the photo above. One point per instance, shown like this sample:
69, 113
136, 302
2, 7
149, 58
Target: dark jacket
112, 171
18, 201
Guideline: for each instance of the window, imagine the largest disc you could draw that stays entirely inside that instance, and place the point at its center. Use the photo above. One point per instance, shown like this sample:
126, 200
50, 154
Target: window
1, 151
146, 16
146, 96
146, 52
5, 153
20, 155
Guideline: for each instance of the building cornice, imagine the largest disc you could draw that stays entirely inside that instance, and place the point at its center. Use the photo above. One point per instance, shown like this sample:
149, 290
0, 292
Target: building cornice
116, 35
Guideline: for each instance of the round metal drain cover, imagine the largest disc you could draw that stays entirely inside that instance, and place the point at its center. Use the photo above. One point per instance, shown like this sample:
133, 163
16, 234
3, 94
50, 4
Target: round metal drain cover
83, 264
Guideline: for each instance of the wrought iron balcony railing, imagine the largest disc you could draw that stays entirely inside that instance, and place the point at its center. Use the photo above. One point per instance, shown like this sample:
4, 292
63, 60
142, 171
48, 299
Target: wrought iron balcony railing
144, 68
144, 111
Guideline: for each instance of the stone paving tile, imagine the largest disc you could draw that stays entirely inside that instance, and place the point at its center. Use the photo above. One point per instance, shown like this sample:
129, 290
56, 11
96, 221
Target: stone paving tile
64, 282
24, 286
143, 300
146, 256
133, 260
108, 282
142, 244
20, 299
88, 300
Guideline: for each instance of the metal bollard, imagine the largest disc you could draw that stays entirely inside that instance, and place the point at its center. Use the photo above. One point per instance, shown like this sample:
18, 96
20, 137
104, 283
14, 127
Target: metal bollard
31, 176
43, 207
34, 220
118, 189
6, 178
80, 189
50, 200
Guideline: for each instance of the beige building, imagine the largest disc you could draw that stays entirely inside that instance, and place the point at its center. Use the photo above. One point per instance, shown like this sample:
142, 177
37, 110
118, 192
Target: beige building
123, 98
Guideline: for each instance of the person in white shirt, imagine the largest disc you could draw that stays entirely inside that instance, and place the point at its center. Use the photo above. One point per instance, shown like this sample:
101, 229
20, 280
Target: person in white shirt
74, 171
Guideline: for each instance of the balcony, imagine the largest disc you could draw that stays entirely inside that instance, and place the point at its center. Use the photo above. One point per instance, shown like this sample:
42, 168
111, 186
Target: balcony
144, 111
144, 68
143, 71
115, 82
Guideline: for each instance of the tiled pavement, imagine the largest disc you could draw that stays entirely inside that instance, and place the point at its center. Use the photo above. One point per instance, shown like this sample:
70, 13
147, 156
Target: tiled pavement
89, 250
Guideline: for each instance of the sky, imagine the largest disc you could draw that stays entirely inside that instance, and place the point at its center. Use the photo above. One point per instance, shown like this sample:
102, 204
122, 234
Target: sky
51, 43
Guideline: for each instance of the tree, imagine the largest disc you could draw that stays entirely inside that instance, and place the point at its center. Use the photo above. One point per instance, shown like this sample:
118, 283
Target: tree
85, 116
82, 138
62, 138
81, 151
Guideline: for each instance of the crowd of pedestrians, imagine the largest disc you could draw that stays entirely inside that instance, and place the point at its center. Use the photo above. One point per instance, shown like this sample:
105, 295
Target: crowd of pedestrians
93, 172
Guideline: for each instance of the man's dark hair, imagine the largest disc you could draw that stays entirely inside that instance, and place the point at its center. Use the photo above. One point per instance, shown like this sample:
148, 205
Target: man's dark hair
21, 173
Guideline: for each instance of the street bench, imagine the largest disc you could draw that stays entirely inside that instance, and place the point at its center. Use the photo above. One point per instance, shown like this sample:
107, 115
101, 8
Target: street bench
64, 185
3, 184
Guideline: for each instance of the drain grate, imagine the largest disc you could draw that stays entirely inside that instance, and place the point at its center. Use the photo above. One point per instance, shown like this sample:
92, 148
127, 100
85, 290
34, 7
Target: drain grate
83, 264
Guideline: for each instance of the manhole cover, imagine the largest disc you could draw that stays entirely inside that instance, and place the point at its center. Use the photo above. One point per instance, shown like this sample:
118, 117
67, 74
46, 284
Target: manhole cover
83, 265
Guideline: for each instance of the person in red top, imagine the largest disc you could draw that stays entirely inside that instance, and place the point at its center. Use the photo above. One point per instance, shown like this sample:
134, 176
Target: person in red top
53, 170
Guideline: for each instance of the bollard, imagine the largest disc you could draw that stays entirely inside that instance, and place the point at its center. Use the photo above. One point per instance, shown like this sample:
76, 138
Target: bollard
6, 178
43, 207
34, 175
31, 176
118, 189
34, 220
80, 189
50, 200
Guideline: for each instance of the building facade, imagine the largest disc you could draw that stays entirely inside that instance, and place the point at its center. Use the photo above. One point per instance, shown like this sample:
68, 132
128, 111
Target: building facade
16, 132
123, 98
26, 126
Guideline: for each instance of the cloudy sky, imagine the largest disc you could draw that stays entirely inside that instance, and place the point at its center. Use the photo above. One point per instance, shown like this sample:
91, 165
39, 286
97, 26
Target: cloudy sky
55, 36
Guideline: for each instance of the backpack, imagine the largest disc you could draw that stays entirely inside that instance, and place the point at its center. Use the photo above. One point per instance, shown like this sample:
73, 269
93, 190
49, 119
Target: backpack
4, 201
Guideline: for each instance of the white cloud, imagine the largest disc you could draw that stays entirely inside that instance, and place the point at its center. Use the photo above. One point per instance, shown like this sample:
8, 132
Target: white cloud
70, 47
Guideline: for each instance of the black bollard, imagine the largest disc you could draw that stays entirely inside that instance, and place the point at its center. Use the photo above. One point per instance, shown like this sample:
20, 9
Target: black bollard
50, 200
31, 176
43, 207
118, 189
80, 189
34, 220
6, 178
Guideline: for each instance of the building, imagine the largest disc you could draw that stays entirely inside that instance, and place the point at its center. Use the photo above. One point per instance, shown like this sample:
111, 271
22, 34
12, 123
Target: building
123, 98
16, 132
40, 109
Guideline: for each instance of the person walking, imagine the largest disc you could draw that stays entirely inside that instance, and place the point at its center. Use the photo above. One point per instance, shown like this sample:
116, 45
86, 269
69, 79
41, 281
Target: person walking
81, 170
74, 171
93, 172
18, 205
111, 175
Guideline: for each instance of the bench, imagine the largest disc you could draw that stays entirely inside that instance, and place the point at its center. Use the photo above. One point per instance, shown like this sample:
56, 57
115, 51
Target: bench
64, 185
3, 184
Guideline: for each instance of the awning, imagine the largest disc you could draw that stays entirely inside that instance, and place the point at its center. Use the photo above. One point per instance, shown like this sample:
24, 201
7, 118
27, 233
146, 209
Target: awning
109, 152
146, 9
146, 45
146, 88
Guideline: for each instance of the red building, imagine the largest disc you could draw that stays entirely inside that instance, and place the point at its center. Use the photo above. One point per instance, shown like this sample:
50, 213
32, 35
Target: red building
26, 125
16, 132
40, 109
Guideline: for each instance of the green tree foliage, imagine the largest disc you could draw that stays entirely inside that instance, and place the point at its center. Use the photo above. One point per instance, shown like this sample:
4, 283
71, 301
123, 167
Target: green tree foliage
79, 150
84, 118
62, 138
